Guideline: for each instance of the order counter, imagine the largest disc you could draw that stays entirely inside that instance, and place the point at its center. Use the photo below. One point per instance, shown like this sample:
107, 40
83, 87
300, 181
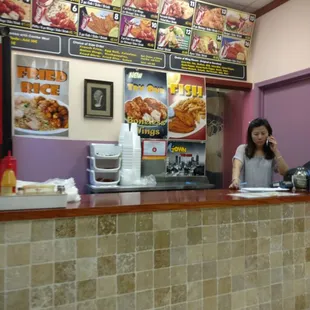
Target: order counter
194, 249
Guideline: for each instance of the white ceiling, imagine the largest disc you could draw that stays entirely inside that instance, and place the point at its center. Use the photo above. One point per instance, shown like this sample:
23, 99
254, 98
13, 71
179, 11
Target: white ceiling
244, 5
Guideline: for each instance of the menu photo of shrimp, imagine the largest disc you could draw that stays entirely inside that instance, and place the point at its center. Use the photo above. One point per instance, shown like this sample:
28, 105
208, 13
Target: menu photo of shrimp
234, 50
15, 12
205, 44
239, 24
55, 15
187, 107
209, 17
145, 102
138, 32
113, 5
142, 8
173, 38
178, 12
99, 24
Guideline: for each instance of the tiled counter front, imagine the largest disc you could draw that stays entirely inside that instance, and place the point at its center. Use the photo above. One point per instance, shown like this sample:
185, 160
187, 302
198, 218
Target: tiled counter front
255, 258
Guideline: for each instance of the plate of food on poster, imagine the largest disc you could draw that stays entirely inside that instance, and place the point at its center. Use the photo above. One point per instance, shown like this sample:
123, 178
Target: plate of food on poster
55, 14
16, 10
239, 22
39, 115
205, 43
209, 17
187, 107
99, 23
178, 12
235, 50
144, 8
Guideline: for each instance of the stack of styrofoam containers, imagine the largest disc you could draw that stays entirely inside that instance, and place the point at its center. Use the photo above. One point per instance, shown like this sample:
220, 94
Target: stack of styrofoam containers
104, 164
131, 155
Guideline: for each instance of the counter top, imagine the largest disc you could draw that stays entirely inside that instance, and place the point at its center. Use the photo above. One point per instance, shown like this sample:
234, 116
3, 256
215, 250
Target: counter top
116, 203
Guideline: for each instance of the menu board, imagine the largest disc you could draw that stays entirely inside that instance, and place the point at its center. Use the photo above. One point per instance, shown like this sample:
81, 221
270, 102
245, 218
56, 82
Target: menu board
187, 106
179, 35
145, 102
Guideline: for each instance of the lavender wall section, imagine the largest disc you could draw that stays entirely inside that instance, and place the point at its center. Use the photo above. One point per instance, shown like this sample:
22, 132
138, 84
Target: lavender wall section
42, 159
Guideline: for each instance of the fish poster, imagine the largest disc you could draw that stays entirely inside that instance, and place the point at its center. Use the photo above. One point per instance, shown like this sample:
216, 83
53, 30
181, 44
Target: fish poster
187, 107
40, 100
145, 102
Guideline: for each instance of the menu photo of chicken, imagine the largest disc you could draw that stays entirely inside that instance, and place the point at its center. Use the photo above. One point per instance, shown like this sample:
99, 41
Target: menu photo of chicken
99, 24
112, 5
178, 12
138, 32
238, 23
15, 12
173, 38
209, 17
187, 107
55, 15
142, 8
205, 44
234, 50
145, 102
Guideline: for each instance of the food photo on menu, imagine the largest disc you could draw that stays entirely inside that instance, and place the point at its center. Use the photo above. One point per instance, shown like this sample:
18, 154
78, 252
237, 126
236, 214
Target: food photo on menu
148, 8
173, 38
186, 158
235, 50
139, 32
177, 11
209, 17
239, 22
99, 24
145, 102
17, 11
205, 43
187, 107
55, 15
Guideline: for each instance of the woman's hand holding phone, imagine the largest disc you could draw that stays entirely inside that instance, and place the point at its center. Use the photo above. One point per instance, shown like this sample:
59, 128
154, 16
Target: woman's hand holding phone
272, 142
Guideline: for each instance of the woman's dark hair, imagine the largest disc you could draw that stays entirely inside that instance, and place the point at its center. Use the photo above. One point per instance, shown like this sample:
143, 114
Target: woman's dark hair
251, 147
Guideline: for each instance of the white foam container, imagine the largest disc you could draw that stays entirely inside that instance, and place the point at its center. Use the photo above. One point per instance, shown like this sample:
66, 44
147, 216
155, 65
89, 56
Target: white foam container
105, 150
104, 165
114, 176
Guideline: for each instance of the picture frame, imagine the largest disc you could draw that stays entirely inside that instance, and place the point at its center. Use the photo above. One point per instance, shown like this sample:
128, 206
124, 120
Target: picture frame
98, 99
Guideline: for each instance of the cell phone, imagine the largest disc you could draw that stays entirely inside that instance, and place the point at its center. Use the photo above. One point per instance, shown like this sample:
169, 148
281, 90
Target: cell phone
267, 141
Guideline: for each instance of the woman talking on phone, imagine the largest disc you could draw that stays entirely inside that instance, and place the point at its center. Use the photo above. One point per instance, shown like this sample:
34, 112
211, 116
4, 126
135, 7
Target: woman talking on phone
255, 162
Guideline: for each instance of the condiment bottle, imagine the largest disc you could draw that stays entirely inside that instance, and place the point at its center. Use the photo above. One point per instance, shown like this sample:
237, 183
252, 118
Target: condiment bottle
8, 182
4, 164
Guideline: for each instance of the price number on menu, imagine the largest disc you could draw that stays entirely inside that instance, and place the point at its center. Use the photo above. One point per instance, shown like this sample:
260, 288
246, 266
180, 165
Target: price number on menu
219, 38
247, 44
224, 12
116, 16
252, 18
188, 32
74, 8
154, 25
192, 3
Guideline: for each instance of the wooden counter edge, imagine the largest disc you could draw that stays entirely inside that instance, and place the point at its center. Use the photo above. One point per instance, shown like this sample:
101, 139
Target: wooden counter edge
84, 209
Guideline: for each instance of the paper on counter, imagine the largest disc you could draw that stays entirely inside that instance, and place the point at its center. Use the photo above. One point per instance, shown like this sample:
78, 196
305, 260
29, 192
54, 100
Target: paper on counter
262, 195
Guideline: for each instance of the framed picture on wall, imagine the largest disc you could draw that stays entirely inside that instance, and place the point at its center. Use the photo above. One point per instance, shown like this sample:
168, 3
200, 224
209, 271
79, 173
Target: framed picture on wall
98, 99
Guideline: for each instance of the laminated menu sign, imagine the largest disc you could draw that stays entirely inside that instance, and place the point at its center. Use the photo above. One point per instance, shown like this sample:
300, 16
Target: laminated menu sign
56, 16
186, 158
145, 102
177, 12
173, 38
138, 32
16, 12
99, 24
141, 8
40, 101
187, 107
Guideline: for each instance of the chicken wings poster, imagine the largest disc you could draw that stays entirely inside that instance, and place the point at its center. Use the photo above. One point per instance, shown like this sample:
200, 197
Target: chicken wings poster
187, 107
145, 102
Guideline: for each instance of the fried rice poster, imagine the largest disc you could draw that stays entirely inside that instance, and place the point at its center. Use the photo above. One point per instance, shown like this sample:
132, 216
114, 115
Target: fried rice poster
145, 102
40, 101
187, 107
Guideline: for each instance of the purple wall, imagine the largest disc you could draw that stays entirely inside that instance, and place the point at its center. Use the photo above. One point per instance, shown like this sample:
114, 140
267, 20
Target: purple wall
41, 159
